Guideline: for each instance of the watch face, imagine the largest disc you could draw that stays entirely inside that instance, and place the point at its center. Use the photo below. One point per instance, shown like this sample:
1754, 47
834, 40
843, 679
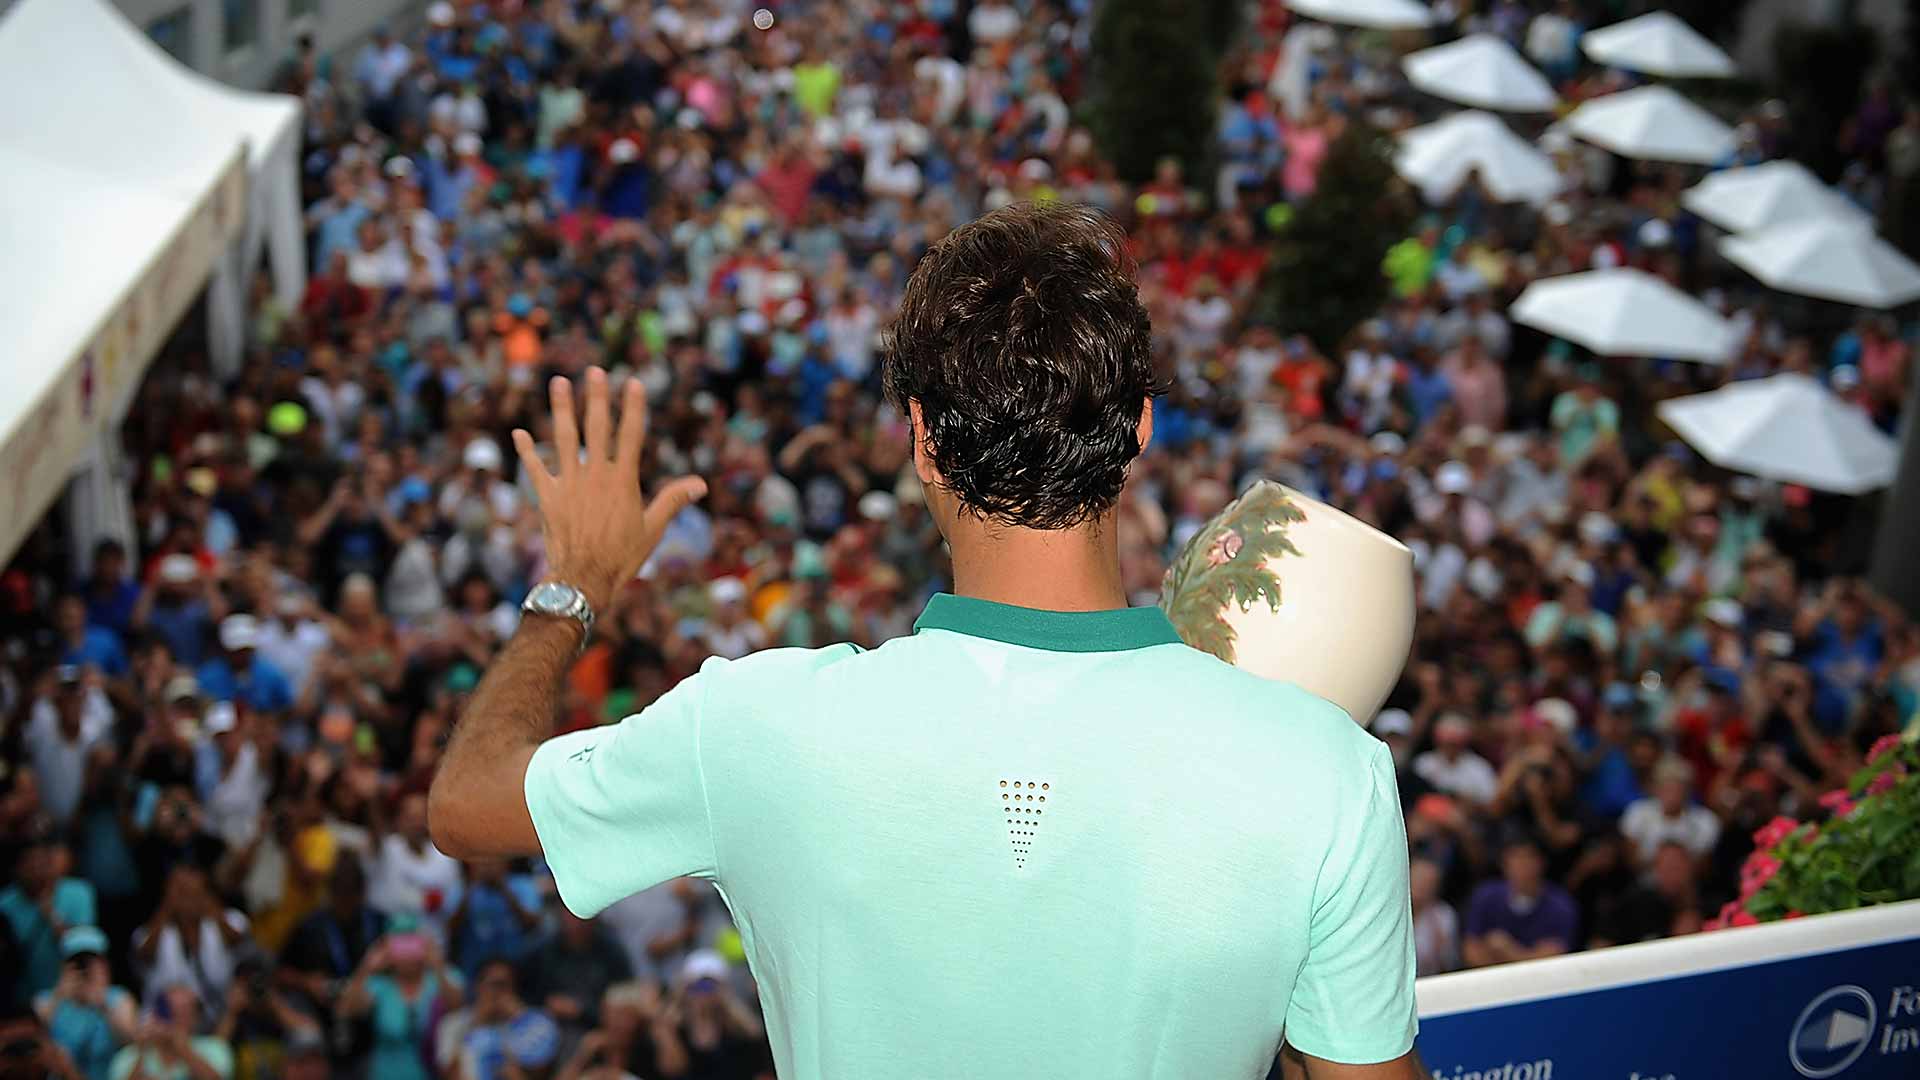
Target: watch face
551, 596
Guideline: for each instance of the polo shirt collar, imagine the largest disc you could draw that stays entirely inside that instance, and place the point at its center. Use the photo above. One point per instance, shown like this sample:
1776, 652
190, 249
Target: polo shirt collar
1113, 630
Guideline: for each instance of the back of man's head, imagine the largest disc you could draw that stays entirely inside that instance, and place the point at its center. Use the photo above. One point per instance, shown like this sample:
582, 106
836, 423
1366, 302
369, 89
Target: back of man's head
1023, 341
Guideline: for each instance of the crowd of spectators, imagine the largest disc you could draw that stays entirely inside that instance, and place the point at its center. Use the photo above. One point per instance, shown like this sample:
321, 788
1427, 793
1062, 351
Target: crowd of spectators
217, 739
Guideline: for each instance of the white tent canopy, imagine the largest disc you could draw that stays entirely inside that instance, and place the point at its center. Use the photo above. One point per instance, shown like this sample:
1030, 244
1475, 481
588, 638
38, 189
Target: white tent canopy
1625, 312
1787, 428
129, 184
1827, 259
1653, 123
1657, 44
1759, 196
1440, 157
1375, 14
1482, 71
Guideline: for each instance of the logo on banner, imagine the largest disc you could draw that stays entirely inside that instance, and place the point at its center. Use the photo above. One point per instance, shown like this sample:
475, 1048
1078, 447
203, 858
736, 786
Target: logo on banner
1832, 1032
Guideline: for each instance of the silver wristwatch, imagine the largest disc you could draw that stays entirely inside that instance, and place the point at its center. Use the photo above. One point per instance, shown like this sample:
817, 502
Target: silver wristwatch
559, 599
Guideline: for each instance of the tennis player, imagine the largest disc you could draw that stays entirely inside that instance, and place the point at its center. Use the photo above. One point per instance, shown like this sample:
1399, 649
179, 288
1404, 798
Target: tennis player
1040, 837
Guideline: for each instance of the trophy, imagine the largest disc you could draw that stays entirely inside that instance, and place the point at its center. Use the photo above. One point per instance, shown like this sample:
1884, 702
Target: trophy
1292, 589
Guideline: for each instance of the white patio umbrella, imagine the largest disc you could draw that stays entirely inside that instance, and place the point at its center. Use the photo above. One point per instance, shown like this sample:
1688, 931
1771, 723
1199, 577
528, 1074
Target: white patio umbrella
1375, 14
1652, 123
1483, 71
1657, 44
1438, 158
1625, 312
1777, 193
1829, 259
1789, 428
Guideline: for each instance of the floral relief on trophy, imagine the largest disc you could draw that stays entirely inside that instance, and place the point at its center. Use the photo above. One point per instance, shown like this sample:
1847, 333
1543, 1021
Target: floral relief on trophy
1230, 561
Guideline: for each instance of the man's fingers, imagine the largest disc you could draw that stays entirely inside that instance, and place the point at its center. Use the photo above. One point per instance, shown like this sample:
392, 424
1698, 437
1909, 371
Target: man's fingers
633, 425
599, 418
535, 469
676, 495
566, 437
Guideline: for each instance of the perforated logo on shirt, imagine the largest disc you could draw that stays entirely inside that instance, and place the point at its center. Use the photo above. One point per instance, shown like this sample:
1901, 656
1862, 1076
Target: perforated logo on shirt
1023, 805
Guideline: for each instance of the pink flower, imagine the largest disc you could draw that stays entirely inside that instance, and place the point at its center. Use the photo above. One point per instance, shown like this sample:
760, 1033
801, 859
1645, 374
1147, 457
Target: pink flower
1759, 869
1886, 780
1885, 744
1774, 831
1743, 918
1224, 548
1838, 801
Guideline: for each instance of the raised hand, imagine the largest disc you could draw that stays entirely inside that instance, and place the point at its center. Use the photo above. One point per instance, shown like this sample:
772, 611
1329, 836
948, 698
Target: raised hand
599, 527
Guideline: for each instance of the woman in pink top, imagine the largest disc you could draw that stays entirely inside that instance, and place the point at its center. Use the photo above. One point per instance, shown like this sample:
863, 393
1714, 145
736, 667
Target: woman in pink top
1306, 140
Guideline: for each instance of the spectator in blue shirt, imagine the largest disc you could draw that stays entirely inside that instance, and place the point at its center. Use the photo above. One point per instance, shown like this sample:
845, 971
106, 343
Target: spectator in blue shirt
240, 673
180, 608
110, 592
1522, 916
40, 905
85, 646
87, 1016
498, 917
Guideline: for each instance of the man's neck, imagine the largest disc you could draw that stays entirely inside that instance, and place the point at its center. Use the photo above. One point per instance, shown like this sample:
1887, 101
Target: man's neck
1075, 569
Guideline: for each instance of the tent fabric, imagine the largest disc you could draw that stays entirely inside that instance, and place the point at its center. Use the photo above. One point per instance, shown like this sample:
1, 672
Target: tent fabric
1789, 428
1440, 157
1760, 196
1657, 43
143, 181
1625, 312
1830, 260
1481, 71
1374, 14
1653, 123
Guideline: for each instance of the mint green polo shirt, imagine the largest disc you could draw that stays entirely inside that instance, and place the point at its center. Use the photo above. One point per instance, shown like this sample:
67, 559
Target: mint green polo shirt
1034, 843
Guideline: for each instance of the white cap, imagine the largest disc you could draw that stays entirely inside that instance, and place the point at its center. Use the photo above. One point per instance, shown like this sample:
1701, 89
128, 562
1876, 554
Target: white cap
220, 718
1453, 478
1392, 722
1558, 713
1597, 528
1726, 611
482, 453
1579, 573
178, 569
239, 632
622, 151
440, 13
726, 590
878, 506
1389, 443
703, 964
466, 143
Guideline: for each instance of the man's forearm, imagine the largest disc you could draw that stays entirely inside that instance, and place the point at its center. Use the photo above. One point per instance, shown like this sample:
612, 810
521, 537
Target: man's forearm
512, 712
518, 697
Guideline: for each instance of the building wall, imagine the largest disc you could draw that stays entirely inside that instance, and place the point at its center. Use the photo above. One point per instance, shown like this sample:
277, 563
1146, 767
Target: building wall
261, 34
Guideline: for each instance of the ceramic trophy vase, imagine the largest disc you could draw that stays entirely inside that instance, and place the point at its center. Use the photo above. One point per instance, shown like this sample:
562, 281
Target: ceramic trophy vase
1290, 588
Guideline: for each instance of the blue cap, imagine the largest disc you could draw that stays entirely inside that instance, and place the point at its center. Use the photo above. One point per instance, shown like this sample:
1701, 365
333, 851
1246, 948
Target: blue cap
520, 305
1620, 696
1719, 678
533, 1041
414, 490
81, 940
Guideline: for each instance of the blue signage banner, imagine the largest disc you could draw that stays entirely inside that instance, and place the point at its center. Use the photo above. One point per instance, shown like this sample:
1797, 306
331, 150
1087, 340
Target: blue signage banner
1851, 1014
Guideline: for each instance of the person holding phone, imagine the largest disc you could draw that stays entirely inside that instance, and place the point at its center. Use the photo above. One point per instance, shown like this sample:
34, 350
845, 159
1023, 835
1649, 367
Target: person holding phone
402, 986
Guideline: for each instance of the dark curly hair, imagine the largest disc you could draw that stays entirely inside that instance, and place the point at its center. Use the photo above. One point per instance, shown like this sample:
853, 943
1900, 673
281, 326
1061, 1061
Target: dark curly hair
1023, 339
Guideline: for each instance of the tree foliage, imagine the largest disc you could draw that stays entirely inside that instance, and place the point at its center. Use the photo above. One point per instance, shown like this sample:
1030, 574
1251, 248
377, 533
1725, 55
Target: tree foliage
1154, 87
1324, 278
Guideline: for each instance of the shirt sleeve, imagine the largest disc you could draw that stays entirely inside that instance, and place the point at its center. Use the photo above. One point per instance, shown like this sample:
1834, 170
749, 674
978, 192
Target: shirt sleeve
1353, 1001
622, 808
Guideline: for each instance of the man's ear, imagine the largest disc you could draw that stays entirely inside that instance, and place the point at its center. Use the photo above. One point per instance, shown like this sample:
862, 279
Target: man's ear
1145, 430
922, 456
